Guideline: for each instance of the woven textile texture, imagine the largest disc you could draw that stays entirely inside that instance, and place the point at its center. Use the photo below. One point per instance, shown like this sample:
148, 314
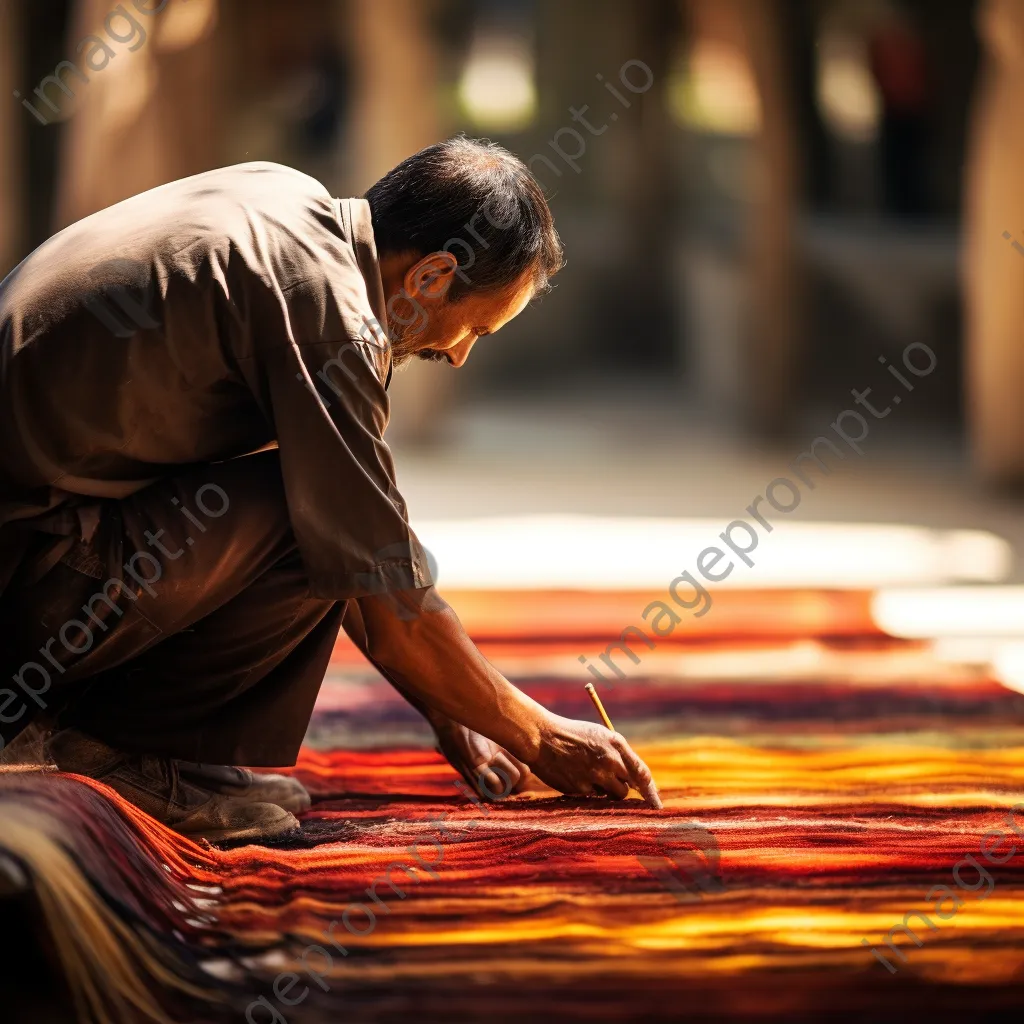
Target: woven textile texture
820, 782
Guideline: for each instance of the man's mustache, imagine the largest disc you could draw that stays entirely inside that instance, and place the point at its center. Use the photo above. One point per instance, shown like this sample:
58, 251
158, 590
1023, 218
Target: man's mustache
433, 356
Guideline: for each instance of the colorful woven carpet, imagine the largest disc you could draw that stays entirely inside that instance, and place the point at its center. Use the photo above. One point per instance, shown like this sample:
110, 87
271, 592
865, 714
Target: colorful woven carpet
820, 781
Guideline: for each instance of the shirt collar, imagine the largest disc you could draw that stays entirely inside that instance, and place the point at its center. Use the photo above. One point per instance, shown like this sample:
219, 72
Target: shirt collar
355, 215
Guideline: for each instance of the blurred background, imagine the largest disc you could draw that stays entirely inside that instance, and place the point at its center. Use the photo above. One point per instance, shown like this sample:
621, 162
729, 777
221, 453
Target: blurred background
761, 201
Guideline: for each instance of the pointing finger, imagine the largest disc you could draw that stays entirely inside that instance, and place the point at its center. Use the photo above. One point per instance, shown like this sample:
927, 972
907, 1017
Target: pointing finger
639, 774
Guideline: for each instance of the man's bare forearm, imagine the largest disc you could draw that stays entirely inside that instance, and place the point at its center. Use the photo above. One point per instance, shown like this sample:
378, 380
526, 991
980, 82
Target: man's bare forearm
418, 643
356, 629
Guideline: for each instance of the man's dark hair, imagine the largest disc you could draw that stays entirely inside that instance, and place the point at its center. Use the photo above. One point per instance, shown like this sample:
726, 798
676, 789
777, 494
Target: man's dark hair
476, 200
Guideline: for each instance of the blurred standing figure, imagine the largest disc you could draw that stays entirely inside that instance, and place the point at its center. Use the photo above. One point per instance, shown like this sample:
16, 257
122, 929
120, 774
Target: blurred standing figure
898, 62
993, 267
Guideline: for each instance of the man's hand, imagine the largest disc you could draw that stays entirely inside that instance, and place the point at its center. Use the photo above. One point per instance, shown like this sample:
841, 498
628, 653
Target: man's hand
577, 758
431, 660
490, 770
584, 758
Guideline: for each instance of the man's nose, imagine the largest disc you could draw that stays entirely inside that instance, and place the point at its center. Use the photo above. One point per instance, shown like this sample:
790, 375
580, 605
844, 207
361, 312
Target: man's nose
460, 353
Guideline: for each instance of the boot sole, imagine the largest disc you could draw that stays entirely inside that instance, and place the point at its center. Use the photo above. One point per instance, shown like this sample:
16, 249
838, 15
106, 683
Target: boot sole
280, 826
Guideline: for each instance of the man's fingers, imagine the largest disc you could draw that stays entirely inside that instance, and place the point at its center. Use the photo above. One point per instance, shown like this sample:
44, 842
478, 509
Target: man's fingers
524, 773
471, 777
612, 775
488, 783
639, 774
616, 788
498, 777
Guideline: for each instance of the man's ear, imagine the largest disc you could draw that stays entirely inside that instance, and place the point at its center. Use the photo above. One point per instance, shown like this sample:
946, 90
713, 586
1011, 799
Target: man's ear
432, 276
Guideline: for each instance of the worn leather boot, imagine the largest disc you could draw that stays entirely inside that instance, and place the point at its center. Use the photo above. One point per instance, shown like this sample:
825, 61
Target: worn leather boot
243, 784
154, 785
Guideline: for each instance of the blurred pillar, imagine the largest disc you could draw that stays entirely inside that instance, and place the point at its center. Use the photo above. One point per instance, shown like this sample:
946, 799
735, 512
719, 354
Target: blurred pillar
994, 266
645, 185
772, 371
395, 113
395, 103
151, 115
11, 129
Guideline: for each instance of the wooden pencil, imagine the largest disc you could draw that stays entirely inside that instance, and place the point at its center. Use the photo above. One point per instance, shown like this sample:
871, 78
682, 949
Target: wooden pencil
600, 707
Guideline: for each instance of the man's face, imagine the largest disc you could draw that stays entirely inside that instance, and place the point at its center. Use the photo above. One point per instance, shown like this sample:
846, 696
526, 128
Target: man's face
424, 323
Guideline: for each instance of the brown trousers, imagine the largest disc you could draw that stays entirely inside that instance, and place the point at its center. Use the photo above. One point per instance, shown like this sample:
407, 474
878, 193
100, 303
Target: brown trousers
213, 650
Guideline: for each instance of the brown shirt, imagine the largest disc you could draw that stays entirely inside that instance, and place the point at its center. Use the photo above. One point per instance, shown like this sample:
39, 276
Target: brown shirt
194, 323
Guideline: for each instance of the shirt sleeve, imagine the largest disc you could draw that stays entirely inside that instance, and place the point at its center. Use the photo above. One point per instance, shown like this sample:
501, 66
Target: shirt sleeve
329, 408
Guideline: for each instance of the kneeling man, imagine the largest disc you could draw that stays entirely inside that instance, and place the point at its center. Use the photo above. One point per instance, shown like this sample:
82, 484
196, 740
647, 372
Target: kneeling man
195, 495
